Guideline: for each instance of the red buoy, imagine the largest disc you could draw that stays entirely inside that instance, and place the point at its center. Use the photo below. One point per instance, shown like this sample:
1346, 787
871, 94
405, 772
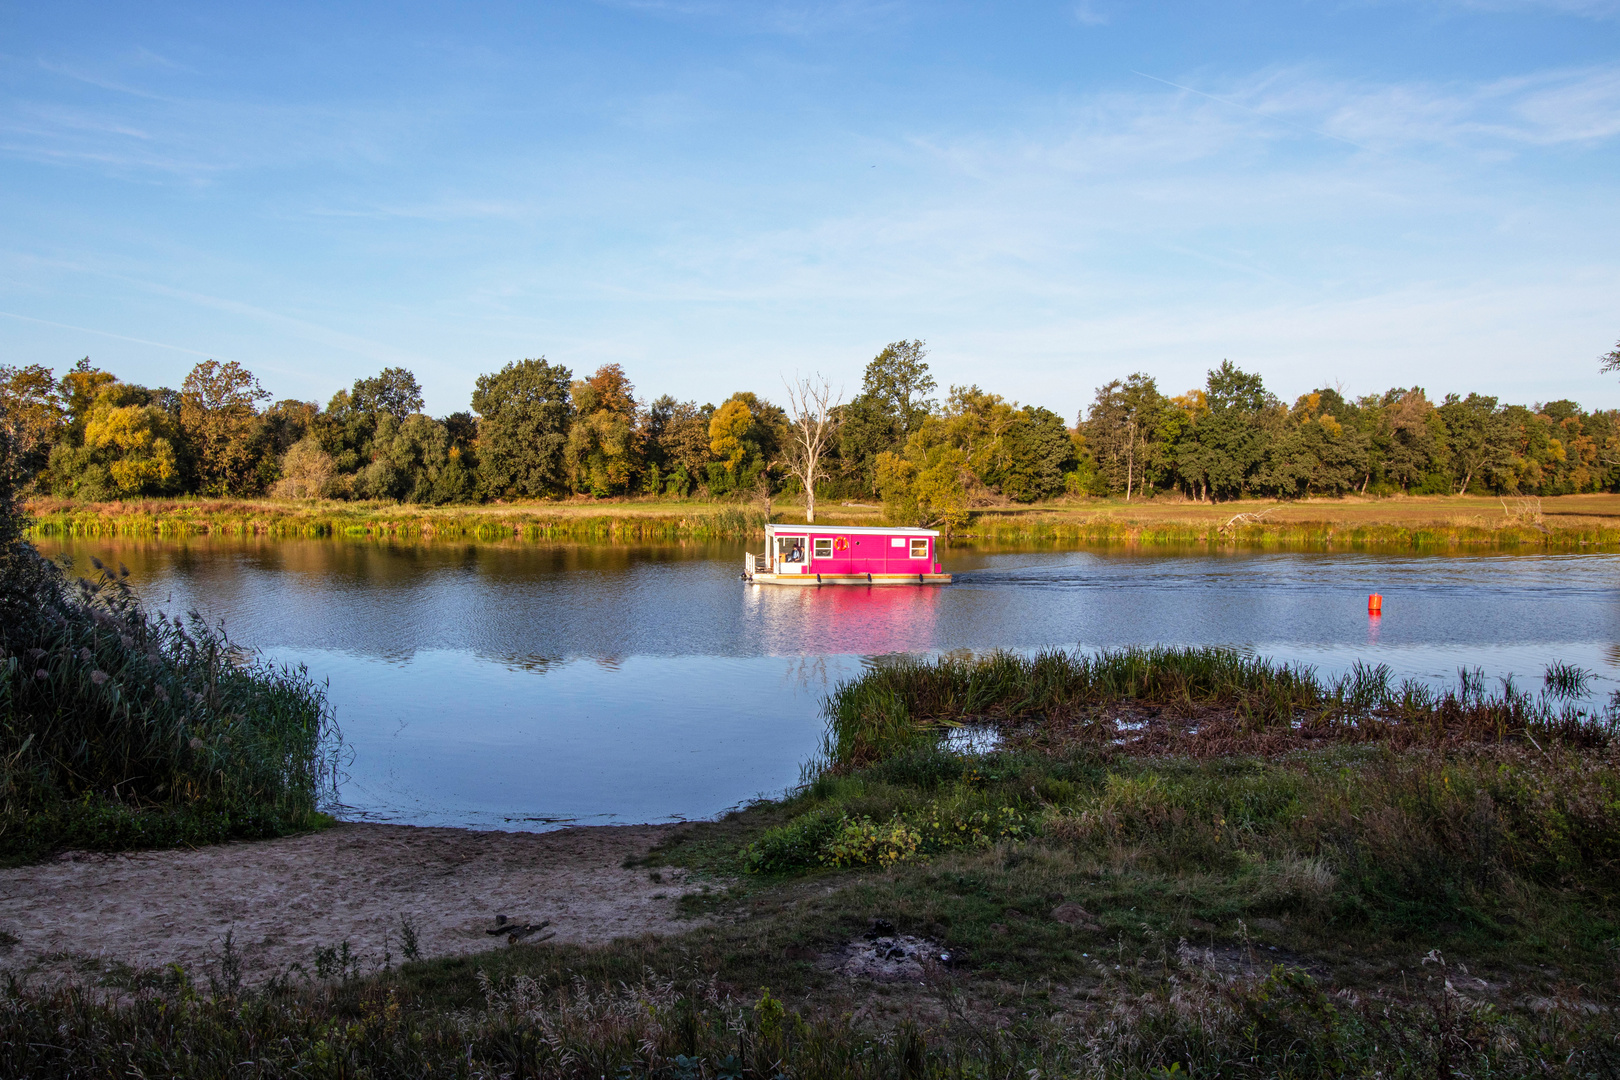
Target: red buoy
1375, 604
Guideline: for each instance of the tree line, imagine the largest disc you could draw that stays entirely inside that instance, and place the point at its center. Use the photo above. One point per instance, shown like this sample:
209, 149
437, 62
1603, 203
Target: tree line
535, 431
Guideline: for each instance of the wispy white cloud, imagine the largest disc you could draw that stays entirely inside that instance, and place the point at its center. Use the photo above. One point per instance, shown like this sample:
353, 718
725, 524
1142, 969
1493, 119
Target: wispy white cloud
1090, 13
1543, 109
1591, 9
792, 18
145, 118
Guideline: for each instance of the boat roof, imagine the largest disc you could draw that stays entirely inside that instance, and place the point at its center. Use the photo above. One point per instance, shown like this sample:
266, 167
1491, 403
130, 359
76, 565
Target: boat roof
878, 530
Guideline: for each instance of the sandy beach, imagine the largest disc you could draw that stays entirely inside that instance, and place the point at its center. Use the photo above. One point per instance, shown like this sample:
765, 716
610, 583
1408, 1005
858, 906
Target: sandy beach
283, 899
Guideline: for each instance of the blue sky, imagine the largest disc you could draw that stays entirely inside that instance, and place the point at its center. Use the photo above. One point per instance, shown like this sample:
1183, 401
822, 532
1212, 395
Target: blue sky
718, 194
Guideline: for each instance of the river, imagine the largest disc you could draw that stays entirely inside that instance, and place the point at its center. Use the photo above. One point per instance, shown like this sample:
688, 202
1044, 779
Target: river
527, 686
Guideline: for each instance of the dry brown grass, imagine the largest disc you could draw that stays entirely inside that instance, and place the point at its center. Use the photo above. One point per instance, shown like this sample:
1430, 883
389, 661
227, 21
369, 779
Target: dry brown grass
1561, 511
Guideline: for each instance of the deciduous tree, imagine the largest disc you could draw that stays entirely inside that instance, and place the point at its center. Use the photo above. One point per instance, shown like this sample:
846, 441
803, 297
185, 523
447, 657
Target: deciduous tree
1477, 438
79, 388
34, 417
603, 451
220, 419
678, 434
524, 414
812, 424
306, 470
893, 402
728, 434
394, 391
1119, 428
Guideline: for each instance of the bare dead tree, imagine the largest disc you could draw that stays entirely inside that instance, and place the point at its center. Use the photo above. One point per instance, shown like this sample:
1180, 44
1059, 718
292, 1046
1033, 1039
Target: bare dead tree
813, 416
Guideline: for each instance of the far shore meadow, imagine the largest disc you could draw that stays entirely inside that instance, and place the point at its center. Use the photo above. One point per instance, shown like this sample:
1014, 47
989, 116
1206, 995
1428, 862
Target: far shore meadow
1468, 522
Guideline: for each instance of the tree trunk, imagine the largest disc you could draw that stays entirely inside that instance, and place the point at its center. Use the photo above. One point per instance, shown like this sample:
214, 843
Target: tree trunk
810, 505
1130, 466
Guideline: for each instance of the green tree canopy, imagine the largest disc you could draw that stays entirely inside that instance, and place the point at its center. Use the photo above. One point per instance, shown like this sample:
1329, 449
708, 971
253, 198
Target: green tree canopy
394, 391
893, 402
1119, 429
524, 414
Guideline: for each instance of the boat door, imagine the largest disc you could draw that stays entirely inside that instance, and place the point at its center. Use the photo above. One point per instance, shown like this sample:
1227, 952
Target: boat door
791, 555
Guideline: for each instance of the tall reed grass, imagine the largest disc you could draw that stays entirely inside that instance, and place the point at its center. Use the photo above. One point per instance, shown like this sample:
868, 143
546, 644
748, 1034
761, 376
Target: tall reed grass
121, 728
1201, 700
533, 522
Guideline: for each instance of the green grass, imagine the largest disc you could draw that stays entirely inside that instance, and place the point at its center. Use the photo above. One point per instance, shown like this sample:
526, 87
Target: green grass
1358, 852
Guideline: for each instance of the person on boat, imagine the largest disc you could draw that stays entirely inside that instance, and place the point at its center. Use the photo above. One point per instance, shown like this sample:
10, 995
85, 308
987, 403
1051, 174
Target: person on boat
796, 552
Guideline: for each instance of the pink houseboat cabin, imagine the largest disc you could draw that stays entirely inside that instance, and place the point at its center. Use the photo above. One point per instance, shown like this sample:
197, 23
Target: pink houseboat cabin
846, 555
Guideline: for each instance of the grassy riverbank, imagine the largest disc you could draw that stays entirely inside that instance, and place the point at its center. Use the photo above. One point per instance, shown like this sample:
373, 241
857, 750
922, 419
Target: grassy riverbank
1563, 523
1174, 863
609, 521
1436, 523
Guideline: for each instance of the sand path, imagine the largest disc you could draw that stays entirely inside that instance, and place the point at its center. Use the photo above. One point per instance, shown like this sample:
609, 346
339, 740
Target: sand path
282, 899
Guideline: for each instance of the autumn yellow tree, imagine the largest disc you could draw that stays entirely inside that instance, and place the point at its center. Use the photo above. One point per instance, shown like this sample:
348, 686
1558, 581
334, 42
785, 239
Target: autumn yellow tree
78, 390
728, 434
135, 440
127, 445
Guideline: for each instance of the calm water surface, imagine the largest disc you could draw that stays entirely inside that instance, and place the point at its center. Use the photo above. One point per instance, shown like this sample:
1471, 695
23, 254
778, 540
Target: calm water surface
526, 686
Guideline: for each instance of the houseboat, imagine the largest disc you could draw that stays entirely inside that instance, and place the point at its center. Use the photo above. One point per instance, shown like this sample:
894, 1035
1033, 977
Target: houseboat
846, 555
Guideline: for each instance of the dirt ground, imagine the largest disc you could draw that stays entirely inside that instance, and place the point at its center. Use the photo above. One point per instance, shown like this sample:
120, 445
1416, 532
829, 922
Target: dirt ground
283, 899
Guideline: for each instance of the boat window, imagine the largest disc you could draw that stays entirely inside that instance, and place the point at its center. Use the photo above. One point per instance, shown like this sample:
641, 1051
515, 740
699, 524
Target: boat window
824, 548
919, 549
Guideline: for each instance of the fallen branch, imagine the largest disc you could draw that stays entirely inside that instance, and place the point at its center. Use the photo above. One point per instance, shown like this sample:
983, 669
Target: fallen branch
1525, 510
1247, 518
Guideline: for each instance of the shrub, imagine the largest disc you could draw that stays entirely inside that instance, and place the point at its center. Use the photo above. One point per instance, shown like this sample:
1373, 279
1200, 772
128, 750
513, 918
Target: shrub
861, 842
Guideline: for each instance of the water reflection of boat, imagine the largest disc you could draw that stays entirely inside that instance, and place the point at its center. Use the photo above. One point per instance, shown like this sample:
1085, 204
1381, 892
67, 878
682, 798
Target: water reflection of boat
846, 555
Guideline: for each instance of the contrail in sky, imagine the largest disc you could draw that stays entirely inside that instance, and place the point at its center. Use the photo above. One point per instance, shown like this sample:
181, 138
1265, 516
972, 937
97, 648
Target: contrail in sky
108, 333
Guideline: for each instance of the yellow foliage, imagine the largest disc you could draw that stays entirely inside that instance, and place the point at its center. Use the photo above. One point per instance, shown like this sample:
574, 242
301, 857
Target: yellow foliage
138, 437
726, 431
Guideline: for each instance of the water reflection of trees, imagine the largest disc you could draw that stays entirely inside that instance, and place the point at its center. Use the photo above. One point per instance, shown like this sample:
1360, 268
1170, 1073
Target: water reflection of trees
532, 663
378, 560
